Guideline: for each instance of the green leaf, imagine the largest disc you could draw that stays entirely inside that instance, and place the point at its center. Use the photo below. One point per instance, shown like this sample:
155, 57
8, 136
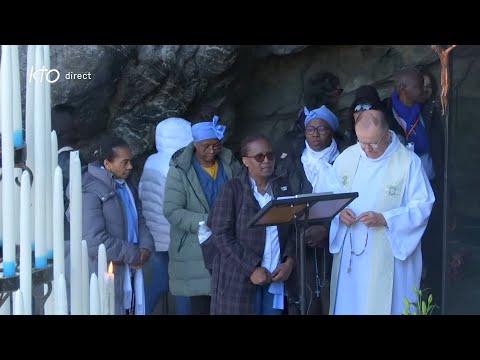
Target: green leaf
406, 303
430, 299
424, 308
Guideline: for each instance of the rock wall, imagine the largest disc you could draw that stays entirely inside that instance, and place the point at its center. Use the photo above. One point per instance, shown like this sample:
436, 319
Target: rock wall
133, 87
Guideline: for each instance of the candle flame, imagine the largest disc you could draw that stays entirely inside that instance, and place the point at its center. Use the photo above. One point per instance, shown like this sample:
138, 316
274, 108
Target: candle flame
110, 268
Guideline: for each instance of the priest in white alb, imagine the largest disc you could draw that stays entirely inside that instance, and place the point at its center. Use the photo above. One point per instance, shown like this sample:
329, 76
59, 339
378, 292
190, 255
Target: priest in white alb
376, 239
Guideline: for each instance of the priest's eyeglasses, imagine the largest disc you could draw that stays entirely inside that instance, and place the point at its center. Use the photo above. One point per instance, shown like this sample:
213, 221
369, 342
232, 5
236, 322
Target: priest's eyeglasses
372, 146
361, 107
260, 158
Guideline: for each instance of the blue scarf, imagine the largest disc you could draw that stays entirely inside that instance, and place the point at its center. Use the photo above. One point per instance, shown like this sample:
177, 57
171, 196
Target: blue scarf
130, 211
419, 135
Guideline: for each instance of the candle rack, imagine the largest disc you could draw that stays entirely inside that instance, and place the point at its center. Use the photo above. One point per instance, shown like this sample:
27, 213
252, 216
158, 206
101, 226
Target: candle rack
40, 277
20, 154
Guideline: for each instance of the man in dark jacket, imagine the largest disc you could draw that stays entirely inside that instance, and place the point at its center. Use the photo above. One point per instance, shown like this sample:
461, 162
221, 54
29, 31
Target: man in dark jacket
414, 116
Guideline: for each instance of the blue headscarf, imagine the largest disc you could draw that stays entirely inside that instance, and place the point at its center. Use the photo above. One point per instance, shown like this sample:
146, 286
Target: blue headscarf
208, 130
322, 113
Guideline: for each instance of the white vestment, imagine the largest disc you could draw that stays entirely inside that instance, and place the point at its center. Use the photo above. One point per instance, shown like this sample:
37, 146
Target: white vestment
391, 264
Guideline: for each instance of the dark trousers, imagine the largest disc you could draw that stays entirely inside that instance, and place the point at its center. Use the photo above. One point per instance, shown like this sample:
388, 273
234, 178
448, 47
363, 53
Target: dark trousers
317, 297
200, 305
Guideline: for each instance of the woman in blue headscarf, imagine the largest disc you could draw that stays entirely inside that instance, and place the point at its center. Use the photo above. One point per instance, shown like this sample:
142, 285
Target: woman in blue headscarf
308, 168
196, 174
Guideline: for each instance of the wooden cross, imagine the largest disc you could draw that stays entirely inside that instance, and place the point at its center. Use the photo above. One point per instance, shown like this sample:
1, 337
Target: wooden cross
443, 56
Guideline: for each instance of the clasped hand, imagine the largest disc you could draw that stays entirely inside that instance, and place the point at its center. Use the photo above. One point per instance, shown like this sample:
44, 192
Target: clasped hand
144, 255
316, 236
368, 218
261, 276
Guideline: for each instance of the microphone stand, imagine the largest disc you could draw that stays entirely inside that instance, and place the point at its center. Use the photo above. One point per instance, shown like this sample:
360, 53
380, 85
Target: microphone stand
303, 304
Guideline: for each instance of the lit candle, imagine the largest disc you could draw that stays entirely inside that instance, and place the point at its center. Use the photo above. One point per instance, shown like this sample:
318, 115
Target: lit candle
75, 234
94, 296
108, 283
8, 184
40, 175
102, 269
48, 157
16, 97
25, 244
61, 306
85, 278
18, 303
58, 230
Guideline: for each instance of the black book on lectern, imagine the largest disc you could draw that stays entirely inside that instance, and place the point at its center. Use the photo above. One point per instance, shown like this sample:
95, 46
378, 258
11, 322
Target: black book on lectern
322, 207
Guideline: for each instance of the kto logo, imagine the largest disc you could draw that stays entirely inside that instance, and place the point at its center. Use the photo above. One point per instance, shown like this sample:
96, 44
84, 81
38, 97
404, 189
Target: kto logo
39, 75
53, 75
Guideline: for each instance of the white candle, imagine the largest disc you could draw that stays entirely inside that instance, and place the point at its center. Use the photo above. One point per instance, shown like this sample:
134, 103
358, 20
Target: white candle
1, 210
48, 158
17, 174
54, 153
17, 134
85, 280
16, 97
58, 230
94, 296
29, 124
49, 307
25, 244
61, 306
102, 269
108, 283
29, 108
18, 303
75, 234
40, 174
7, 162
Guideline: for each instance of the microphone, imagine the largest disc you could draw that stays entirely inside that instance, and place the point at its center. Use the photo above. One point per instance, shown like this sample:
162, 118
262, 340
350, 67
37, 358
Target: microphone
273, 181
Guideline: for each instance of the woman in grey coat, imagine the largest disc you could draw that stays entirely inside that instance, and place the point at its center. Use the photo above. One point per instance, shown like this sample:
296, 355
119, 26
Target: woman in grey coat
195, 176
112, 215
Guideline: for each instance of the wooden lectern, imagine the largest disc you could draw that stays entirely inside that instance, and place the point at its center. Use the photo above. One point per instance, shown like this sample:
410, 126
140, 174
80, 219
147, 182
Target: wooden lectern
303, 210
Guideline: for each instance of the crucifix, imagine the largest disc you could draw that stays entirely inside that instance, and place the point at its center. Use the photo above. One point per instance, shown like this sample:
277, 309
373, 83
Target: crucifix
443, 56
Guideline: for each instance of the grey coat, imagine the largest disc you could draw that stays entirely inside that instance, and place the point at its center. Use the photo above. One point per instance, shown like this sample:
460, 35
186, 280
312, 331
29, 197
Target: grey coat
185, 205
104, 222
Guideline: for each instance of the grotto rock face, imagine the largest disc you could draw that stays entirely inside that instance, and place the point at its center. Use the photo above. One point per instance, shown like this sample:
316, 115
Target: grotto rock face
133, 87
